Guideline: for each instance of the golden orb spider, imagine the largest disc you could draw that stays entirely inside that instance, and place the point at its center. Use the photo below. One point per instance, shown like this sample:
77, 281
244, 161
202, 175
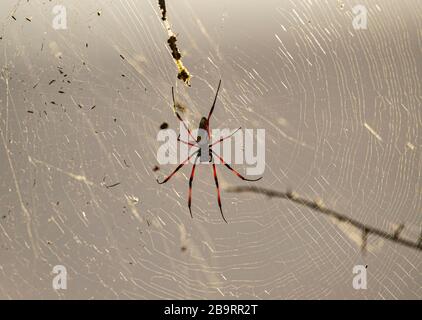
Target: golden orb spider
207, 157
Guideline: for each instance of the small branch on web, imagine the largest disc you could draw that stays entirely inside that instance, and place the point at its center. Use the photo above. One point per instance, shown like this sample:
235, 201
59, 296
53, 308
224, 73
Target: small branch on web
319, 207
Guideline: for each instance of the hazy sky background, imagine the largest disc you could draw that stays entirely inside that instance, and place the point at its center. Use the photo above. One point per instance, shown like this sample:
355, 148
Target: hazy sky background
342, 113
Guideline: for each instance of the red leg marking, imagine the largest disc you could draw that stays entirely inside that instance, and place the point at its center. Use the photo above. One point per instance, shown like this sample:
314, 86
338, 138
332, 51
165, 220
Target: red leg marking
188, 143
218, 191
177, 169
192, 175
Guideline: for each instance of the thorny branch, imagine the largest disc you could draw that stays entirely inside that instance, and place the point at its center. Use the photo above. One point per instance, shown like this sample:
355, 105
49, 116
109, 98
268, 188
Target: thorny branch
319, 207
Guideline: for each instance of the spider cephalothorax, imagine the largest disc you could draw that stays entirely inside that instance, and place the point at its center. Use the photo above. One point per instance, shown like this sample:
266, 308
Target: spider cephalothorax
204, 152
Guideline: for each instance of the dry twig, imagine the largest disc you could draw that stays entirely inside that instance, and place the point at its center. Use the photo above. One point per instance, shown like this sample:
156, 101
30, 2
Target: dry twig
319, 207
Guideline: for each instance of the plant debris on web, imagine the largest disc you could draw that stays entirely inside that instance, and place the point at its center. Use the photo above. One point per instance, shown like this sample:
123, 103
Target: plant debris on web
183, 74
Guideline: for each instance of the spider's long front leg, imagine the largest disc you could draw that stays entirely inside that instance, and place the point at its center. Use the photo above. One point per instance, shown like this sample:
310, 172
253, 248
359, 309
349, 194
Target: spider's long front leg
233, 170
178, 168
212, 107
192, 175
179, 117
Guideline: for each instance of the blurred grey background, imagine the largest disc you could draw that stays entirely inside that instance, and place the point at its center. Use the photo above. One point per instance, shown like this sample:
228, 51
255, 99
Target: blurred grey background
342, 113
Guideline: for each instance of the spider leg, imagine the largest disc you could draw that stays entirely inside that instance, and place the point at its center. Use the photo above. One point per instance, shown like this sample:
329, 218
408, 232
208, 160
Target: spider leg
212, 108
218, 191
192, 175
222, 139
185, 142
215, 99
178, 115
178, 168
234, 171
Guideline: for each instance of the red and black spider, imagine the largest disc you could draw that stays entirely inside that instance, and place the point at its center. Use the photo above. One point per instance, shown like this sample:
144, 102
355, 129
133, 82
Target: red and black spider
203, 127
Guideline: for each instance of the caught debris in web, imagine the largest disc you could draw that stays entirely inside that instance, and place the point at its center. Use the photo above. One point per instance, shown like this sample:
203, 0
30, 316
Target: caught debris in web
162, 4
112, 185
183, 74
179, 107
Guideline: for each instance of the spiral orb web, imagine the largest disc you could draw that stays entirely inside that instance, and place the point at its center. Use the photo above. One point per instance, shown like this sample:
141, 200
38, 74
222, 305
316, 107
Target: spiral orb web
80, 109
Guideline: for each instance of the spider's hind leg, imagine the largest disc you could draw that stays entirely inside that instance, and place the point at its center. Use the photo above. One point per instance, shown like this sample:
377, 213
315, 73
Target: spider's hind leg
218, 190
192, 175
